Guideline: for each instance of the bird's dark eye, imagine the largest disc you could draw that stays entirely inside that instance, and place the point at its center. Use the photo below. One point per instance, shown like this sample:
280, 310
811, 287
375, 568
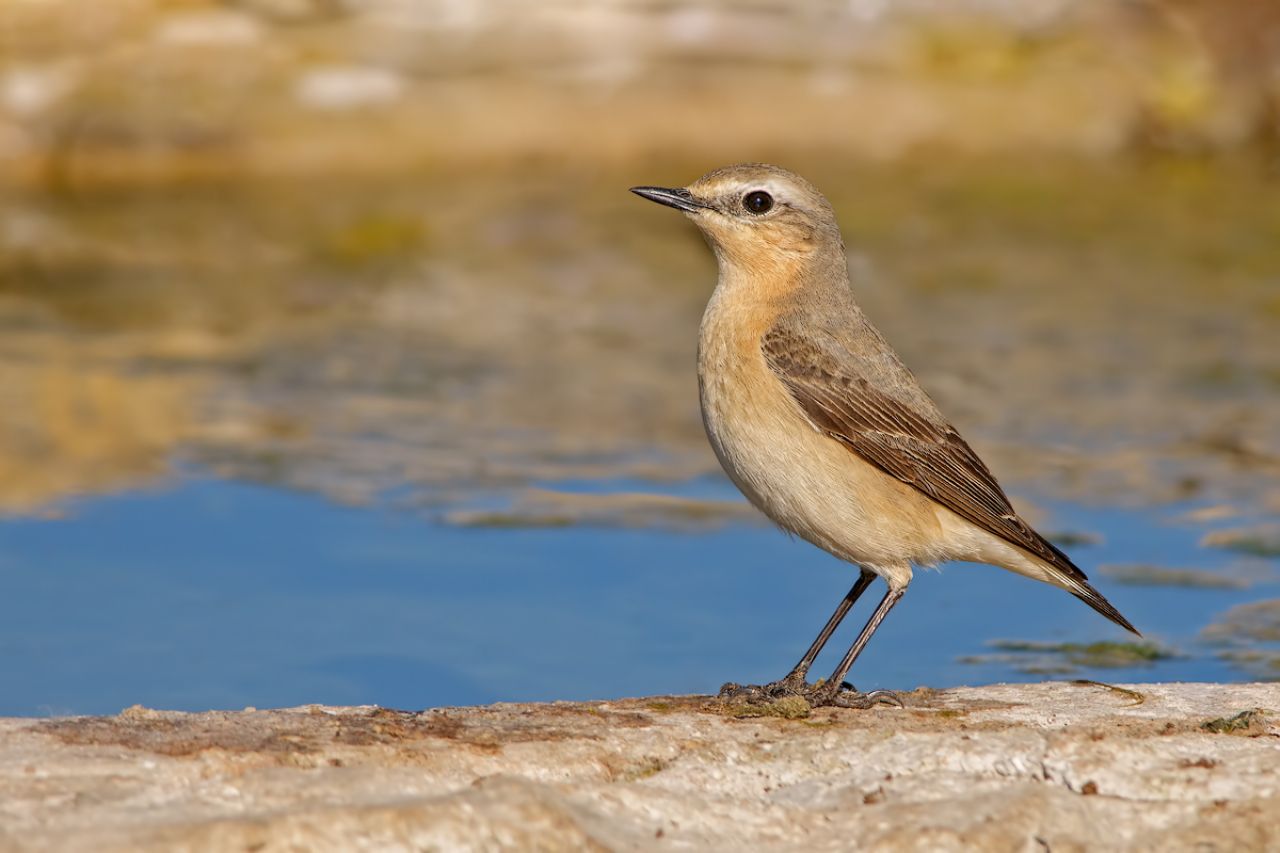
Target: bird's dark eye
757, 202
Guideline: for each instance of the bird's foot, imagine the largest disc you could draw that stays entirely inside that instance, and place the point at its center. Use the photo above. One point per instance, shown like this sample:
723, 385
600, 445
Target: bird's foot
763, 694
819, 695
794, 684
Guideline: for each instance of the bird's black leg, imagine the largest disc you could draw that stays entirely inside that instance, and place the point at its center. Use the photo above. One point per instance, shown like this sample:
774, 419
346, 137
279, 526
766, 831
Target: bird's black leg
831, 692
795, 681
800, 672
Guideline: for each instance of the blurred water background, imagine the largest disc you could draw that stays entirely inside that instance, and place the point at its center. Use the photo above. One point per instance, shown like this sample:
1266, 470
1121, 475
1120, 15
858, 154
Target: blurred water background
337, 364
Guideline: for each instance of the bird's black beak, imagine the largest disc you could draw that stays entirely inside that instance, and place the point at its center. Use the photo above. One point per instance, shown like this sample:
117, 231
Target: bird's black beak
680, 199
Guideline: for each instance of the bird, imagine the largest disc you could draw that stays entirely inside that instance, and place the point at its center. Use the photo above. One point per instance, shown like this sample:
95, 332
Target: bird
818, 422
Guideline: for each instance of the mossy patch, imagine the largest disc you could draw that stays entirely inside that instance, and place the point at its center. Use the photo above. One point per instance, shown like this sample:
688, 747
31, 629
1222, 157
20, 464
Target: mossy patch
787, 708
1251, 722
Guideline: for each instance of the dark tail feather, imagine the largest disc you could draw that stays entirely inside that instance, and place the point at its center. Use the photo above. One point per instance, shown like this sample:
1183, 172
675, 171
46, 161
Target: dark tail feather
1077, 583
1094, 599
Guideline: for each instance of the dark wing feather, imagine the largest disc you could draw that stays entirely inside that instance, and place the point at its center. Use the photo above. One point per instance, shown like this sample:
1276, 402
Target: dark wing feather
908, 440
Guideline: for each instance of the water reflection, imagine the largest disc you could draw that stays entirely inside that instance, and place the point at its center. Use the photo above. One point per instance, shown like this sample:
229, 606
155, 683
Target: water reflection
1103, 333
447, 361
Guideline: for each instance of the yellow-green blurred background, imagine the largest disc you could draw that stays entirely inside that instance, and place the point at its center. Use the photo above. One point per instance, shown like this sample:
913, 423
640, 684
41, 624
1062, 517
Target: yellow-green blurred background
230, 226
132, 91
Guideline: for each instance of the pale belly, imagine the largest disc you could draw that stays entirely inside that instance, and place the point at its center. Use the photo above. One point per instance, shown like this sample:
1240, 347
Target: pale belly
807, 482
812, 485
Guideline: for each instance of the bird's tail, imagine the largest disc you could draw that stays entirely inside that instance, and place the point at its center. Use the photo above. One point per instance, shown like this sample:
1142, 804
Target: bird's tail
1084, 591
1068, 576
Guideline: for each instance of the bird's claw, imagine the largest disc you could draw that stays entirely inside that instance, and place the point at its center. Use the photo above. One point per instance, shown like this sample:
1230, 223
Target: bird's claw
849, 698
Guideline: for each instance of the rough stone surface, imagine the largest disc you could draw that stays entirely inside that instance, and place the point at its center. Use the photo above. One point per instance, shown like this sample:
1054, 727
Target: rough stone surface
1056, 766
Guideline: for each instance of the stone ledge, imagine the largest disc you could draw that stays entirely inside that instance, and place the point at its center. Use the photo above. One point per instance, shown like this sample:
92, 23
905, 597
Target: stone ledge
1053, 766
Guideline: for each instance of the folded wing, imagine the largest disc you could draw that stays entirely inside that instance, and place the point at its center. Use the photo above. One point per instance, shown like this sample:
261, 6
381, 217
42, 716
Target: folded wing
903, 435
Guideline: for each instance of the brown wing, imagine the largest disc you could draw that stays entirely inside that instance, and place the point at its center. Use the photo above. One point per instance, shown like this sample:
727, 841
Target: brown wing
917, 447
892, 424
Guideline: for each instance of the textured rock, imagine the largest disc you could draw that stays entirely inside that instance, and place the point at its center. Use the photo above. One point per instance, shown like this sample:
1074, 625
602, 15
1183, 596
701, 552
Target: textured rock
1060, 766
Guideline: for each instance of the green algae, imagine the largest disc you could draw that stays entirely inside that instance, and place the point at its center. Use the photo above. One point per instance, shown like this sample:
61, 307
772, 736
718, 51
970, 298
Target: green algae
1251, 722
1048, 658
1142, 574
1258, 541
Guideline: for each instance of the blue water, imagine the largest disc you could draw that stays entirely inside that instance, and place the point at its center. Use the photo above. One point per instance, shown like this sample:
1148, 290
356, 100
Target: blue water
216, 594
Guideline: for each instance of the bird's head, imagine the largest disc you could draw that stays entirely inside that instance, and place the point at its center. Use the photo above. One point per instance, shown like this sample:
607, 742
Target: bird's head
755, 215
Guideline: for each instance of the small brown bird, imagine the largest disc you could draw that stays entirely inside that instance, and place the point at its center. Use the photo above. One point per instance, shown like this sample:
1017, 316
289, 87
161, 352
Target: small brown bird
818, 422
